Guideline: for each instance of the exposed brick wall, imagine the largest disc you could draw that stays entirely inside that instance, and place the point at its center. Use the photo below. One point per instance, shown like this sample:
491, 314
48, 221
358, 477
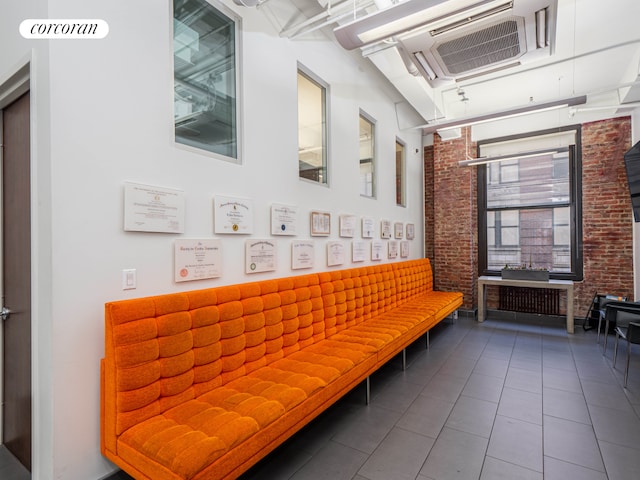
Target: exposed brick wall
606, 212
428, 202
451, 236
455, 252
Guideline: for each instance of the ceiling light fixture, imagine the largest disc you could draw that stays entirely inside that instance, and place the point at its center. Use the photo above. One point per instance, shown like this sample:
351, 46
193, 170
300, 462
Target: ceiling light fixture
490, 117
512, 156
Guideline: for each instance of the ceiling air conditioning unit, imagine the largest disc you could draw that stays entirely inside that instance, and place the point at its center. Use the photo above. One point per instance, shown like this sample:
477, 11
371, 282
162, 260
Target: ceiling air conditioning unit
458, 39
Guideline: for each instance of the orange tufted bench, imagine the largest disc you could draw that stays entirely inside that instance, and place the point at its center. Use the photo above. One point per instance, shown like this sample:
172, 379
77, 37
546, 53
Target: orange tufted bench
203, 384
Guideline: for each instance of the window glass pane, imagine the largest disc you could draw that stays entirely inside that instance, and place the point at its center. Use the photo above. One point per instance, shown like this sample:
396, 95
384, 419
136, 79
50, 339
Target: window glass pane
540, 180
400, 197
561, 227
508, 171
531, 203
204, 54
312, 157
367, 164
534, 240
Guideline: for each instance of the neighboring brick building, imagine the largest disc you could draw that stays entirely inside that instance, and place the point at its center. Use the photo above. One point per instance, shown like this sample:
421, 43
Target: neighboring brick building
451, 235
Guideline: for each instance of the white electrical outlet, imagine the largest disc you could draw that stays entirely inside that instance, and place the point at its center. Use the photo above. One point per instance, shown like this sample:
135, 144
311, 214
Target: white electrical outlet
129, 280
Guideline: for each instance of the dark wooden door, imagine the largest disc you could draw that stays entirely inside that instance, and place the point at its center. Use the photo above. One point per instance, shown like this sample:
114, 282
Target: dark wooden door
16, 278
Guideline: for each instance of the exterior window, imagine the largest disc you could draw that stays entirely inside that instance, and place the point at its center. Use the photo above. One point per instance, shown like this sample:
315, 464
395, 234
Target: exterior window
205, 78
525, 211
367, 157
400, 166
312, 129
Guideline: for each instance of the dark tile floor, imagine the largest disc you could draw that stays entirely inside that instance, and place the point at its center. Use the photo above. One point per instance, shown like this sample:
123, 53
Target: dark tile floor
10, 468
492, 400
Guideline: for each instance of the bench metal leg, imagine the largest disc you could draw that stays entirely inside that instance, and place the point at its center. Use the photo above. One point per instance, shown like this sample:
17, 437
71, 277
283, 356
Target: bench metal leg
427, 340
368, 393
404, 359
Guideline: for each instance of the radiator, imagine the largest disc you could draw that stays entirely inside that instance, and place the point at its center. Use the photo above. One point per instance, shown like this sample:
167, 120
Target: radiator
545, 301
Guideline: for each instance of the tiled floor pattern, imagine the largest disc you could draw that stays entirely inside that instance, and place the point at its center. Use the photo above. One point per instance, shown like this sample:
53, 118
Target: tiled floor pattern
488, 401
10, 468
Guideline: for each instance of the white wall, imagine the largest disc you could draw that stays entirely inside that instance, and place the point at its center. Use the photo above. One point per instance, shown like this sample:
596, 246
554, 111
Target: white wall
104, 117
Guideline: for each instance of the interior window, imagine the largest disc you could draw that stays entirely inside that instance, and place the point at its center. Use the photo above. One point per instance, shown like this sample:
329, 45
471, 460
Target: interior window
205, 78
312, 128
367, 154
400, 168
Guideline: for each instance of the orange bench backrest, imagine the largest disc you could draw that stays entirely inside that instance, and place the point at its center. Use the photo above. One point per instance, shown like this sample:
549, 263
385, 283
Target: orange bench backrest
164, 350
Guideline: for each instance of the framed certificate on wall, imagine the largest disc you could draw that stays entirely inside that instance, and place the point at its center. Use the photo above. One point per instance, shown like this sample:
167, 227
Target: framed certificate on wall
348, 225
284, 219
233, 215
385, 228
320, 224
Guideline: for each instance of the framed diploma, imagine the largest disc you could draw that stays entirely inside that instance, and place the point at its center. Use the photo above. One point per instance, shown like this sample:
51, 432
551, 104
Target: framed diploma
398, 230
197, 259
233, 215
377, 247
385, 229
320, 224
348, 225
335, 253
404, 249
153, 209
260, 256
358, 251
284, 219
393, 249
411, 231
302, 254
368, 227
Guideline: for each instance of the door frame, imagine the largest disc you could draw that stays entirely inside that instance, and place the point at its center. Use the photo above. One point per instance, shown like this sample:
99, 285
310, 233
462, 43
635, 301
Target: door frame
12, 86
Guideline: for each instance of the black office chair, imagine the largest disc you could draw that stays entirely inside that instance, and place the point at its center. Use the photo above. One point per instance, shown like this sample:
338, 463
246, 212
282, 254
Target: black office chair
598, 306
619, 314
631, 333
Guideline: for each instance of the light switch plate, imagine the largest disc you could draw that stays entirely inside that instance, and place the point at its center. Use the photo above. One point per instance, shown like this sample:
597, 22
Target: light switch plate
129, 279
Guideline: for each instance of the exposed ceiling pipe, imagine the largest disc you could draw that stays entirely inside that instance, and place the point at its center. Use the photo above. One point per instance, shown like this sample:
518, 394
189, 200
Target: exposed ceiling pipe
621, 106
342, 10
249, 3
318, 26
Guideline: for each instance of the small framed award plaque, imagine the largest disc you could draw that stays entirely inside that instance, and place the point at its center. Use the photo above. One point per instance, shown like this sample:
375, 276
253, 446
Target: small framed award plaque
348, 225
398, 230
385, 228
404, 249
367, 227
411, 231
320, 224
393, 249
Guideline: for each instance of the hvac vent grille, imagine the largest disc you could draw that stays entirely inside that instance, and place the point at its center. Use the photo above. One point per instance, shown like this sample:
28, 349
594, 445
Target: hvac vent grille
491, 45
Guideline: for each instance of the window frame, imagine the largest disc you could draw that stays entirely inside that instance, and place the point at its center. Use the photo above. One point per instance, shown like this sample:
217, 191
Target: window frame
401, 196
312, 77
575, 204
374, 137
238, 87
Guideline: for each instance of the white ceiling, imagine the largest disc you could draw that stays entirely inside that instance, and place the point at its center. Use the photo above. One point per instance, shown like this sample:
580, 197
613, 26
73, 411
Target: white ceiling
597, 53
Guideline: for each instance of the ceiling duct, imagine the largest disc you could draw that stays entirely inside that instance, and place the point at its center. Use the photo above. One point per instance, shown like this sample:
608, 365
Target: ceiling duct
457, 39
